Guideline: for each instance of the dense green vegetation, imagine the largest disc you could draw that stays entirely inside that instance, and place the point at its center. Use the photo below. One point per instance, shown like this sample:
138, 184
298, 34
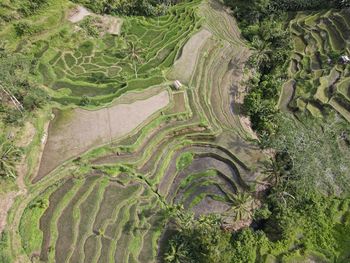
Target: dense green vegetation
129, 7
303, 215
19, 97
9, 155
265, 25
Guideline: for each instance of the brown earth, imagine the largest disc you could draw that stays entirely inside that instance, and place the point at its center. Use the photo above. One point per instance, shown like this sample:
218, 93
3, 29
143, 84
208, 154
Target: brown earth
184, 67
73, 132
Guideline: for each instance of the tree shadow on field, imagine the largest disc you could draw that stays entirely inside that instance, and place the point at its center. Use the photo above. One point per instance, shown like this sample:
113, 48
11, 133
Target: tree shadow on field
237, 65
217, 6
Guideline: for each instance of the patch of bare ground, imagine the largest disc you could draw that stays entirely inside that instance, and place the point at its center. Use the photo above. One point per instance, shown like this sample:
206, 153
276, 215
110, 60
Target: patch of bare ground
209, 206
6, 201
27, 135
179, 102
286, 95
184, 67
78, 14
112, 24
106, 23
238, 100
73, 132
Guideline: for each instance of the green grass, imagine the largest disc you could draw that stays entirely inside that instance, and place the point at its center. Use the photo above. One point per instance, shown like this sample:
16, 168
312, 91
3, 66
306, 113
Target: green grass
184, 160
32, 236
5, 252
7, 185
193, 177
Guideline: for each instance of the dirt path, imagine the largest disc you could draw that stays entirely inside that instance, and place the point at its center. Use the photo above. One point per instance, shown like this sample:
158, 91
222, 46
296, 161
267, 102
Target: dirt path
73, 132
6, 202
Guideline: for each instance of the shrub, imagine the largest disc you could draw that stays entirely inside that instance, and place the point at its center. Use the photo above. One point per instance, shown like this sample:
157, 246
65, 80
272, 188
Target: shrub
85, 100
13, 116
184, 160
30, 7
89, 26
35, 99
23, 28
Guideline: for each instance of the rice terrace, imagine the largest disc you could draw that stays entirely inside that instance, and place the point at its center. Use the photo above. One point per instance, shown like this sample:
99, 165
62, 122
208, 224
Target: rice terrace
175, 131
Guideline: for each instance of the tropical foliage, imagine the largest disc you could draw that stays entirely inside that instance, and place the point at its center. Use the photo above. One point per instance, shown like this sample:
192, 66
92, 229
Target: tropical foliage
128, 7
9, 156
18, 89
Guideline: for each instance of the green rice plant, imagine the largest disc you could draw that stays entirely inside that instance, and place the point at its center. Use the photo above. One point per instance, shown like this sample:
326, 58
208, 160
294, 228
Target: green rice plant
86, 48
30, 232
193, 177
144, 83
70, 60
335, 38
184, 160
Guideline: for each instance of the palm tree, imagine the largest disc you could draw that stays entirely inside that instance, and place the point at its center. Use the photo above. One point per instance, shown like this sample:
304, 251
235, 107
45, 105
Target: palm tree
177, 253
9, 155
242, 206
263, 51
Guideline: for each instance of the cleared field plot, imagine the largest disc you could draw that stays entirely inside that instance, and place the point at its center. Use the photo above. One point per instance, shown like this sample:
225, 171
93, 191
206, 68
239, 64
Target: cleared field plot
78, 14
286, 95
183, 67
73, 132
180, 102
318, 74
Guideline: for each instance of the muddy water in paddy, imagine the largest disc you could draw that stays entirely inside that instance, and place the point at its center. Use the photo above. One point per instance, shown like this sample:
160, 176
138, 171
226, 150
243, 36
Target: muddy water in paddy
227, 177
73, 132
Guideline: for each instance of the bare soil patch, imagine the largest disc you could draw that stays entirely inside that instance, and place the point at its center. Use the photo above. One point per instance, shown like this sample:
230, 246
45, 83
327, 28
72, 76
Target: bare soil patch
179, 103
286, 95
73, 132
112, 24
78, 14
106, 23
185, 65
6, 202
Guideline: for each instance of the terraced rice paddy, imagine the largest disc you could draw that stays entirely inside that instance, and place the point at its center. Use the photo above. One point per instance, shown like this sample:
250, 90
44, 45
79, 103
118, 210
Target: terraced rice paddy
107, 205
106, 67
73, 132
321, 80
